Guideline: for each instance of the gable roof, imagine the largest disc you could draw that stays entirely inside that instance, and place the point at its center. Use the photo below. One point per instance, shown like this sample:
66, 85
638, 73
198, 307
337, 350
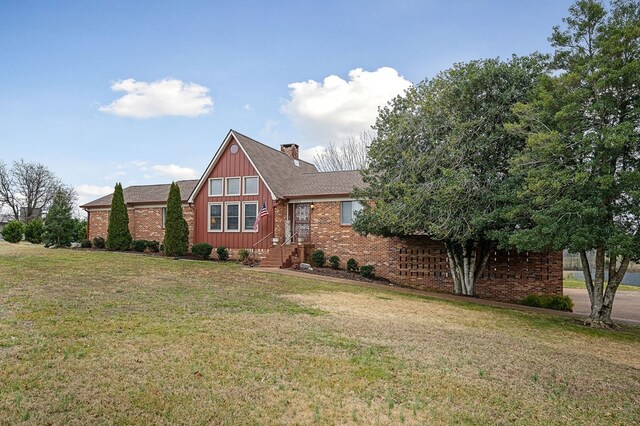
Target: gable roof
146, 194
325, 183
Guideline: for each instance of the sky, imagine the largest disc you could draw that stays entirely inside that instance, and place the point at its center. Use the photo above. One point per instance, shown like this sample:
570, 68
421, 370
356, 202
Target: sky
144, 92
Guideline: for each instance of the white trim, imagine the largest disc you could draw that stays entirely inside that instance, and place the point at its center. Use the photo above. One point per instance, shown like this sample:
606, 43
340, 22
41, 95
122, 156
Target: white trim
214, 161
226, 216
320, 200
209, 188
226, 186
257, 204
209, 216
244, 185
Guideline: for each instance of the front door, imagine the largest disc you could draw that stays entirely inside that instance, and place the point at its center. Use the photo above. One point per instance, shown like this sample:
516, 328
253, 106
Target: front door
302, 222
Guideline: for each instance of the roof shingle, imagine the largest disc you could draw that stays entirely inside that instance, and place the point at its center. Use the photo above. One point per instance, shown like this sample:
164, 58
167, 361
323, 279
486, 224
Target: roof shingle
146, 194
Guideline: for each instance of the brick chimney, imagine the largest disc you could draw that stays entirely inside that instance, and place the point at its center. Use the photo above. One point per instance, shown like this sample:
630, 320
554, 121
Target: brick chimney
291, 149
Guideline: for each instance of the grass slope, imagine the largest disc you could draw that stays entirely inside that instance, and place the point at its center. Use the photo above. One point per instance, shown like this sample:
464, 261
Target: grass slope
97, 337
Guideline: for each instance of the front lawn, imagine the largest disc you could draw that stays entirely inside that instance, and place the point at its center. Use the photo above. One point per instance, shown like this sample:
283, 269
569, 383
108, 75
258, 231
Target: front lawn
570, 282
92, 337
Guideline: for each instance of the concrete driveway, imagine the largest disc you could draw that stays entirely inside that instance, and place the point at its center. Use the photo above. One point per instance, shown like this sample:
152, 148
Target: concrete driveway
626, 306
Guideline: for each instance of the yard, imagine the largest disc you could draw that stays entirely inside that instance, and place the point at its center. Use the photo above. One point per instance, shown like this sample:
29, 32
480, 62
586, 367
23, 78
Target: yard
97, 337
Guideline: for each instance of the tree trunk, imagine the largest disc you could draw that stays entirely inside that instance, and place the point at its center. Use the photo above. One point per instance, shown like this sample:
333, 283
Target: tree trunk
467, 261
602, 296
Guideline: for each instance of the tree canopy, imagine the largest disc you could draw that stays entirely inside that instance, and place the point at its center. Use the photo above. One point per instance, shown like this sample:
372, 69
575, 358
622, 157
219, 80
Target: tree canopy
118, 233
176, 230
58, 225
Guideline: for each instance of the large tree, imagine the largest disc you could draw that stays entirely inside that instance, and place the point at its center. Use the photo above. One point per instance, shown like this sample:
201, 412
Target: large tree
58, 225
118, 233
582, 188
176, 230
27, 188
351, 154
439, 164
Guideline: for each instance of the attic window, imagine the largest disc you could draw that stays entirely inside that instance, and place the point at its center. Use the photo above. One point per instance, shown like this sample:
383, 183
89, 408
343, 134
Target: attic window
234, 148
296, 163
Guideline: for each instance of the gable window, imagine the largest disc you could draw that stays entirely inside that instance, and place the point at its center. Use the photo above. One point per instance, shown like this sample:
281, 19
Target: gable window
249, 215
164, 216
348, 210
251, 185
215, 187
232, 217
215, 217
233, 186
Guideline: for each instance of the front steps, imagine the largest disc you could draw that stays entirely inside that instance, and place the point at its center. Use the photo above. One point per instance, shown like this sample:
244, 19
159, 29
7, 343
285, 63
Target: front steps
279, 256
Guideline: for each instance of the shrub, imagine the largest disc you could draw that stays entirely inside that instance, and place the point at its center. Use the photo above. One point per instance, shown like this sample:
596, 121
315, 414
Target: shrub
202, 250
58, 225
335, 262
12, 231
118, 234
367, 271
85, 243
318, 258
557, 302
243, 254
139, 245
79, 229
352, 265
223, 253
153, 246
176, 230
98, 242
33, 231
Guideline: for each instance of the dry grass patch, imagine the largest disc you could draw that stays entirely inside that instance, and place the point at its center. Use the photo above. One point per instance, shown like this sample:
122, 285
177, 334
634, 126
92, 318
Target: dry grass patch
97, 337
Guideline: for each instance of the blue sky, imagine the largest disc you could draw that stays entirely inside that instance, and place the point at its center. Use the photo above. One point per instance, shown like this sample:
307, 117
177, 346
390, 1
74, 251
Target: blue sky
186, 72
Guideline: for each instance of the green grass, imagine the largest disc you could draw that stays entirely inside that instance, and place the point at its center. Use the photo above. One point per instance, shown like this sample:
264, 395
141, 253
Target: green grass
92, 337
571, 282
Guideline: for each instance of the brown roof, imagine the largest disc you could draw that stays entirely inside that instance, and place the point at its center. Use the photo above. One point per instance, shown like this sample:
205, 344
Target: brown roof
146, 194
325, 183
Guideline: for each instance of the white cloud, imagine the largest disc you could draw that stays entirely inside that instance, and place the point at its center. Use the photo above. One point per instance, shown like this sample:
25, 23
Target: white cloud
88, 193
159, 98
334, 109
248, 107
112, 176
174, 171
309, 154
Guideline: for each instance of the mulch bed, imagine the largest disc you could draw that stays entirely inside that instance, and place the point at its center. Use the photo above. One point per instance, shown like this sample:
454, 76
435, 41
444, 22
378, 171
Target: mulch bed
347, 275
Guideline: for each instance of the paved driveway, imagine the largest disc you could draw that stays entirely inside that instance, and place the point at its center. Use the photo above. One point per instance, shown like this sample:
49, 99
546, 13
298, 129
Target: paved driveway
626, 306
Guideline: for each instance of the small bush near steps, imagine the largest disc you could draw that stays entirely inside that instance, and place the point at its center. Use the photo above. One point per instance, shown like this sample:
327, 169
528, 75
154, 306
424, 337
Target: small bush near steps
202, 250
223, 253
318, 258
367, 271
557, 302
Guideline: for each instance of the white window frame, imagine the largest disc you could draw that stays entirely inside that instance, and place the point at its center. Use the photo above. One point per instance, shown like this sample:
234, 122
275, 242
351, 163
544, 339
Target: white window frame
221, 193
226, 216
244, 185
352, 211
209, 217
244, 203
226, 186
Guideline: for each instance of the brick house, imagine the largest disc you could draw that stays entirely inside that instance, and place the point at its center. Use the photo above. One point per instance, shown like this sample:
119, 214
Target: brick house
308, 209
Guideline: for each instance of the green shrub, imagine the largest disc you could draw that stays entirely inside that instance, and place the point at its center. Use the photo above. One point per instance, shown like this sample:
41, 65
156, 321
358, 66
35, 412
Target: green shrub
243, 254
12, 231
33, 231
352, 265
202, 250
139, 245
318, 258
118, 234
153, 246
367, 271
176, 230
223, 253
557, 302
334, 261
98, 242
85, 243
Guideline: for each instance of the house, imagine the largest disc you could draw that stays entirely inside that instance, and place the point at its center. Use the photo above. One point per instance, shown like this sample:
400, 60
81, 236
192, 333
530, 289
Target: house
308, 209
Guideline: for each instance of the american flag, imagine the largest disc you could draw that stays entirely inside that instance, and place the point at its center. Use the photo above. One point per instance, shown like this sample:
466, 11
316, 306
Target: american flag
263, 212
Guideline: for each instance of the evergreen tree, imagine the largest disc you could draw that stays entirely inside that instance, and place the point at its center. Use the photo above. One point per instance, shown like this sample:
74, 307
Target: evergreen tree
118, 234
176, 230
58, 225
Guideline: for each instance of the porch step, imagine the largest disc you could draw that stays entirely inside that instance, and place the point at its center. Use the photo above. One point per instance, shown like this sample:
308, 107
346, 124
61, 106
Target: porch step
279, 257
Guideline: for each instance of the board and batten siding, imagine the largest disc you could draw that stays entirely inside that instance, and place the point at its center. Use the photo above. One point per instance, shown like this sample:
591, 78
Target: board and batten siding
233, 165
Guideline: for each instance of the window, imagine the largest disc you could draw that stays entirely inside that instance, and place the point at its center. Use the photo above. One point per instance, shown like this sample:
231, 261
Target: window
215, 217
251, 185
348, 210
249, 215
164, 216
233, 217
215, 187
233, 186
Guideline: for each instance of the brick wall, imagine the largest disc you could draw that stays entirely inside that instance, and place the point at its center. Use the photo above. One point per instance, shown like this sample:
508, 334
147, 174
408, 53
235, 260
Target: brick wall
422, 263
145, 223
